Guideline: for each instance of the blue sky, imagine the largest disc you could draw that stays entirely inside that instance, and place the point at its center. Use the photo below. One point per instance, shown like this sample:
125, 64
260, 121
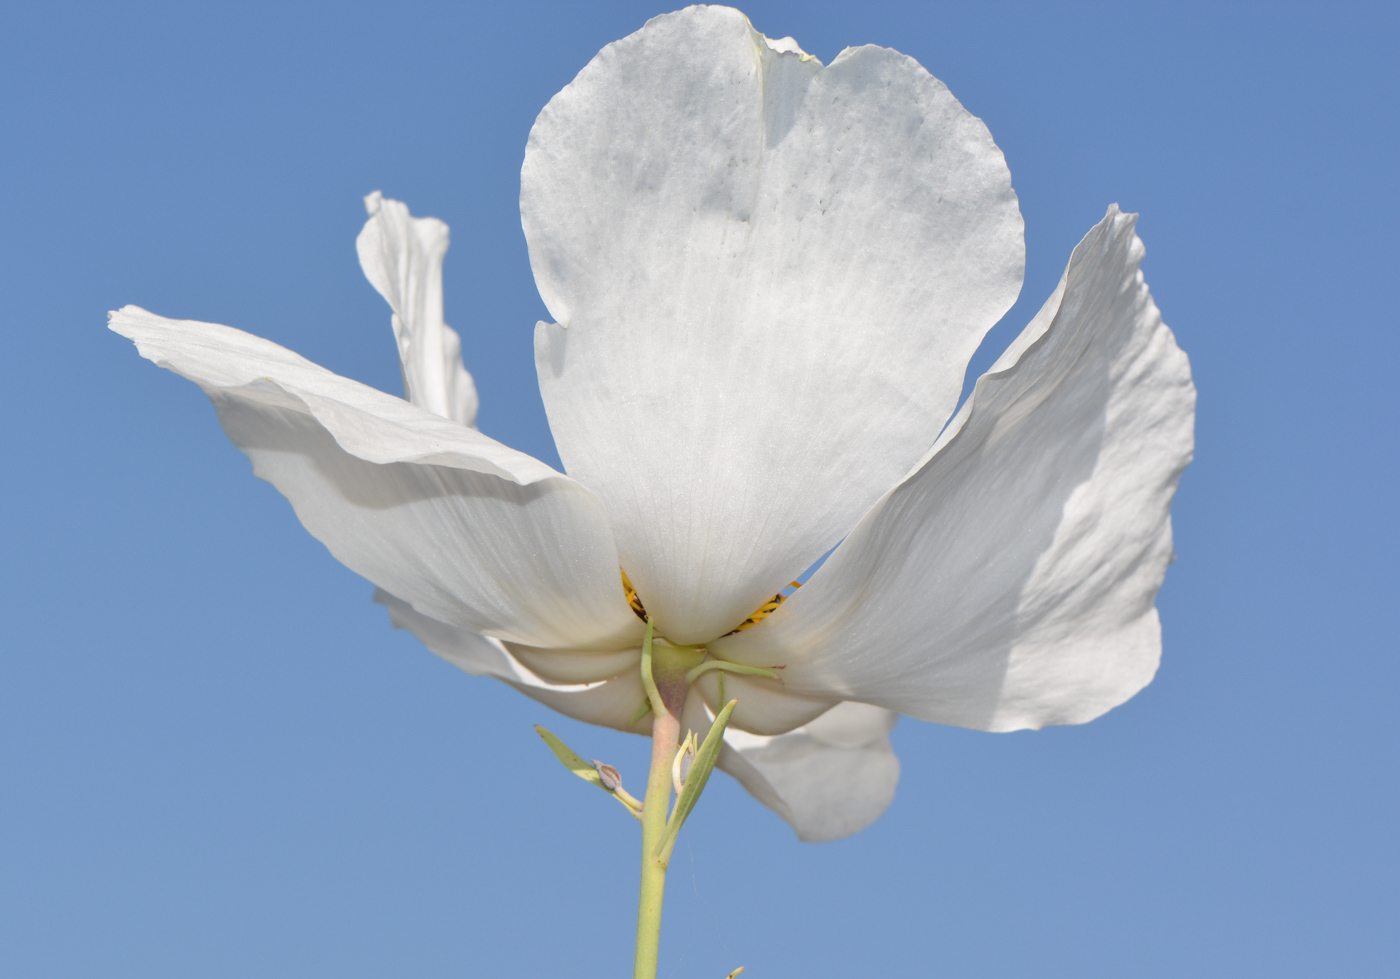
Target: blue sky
218, 759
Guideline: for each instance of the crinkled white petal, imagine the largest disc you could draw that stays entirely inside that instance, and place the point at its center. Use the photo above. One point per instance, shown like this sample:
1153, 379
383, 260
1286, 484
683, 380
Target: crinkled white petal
1008, 582
768, 278
402, 257
828, 779
610, 702
464, 528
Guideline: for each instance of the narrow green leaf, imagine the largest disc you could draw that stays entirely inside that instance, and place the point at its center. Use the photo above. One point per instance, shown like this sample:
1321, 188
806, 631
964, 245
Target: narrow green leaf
700, 771
587, 771
572, 761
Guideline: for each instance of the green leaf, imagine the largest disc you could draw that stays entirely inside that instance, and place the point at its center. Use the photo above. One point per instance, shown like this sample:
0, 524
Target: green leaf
700, 771
572, 761
586, 770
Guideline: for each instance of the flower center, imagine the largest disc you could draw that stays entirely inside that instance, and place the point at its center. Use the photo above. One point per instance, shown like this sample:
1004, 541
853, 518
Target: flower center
764, 610
668, 669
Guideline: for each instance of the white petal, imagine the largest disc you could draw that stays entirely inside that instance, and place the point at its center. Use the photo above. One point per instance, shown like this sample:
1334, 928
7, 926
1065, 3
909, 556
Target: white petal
469, 651
466, 529
574, 666
765, 707
1008, 582
610, 703
829, 779
769, 277
402, 257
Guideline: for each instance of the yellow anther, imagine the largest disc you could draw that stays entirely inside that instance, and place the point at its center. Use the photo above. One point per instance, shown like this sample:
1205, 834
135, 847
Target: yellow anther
764, 610
632, 598
767, 608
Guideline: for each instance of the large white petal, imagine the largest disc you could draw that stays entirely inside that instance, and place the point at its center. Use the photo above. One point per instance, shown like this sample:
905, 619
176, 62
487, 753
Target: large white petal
828, 779
466, 529
1009, 581
768, 278
402, 257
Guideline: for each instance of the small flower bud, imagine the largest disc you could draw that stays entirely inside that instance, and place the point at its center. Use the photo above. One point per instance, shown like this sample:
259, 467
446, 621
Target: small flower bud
612, 779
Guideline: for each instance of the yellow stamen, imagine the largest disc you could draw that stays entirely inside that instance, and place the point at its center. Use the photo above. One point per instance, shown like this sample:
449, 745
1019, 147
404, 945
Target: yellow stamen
632, 598
767, 608
764, 610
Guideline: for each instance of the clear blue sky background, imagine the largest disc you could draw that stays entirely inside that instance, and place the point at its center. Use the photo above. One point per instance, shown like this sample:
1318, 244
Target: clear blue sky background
216, 757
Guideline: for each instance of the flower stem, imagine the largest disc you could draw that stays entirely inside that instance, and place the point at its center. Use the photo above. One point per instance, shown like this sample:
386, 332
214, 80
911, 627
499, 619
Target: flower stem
664, 669
665, 733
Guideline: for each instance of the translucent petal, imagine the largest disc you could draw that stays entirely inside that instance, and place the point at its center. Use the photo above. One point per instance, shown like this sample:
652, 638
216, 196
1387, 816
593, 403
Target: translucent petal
402, 257
466, 529
828, 779
768, 278
1009, 581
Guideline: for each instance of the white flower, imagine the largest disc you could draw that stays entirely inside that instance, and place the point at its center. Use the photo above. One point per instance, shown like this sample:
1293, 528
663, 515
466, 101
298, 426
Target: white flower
768, 277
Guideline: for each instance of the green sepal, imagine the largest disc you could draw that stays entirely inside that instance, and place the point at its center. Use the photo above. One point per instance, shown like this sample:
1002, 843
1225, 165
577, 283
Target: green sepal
643, 709
648, 680
724, 666
700, 770
585, 770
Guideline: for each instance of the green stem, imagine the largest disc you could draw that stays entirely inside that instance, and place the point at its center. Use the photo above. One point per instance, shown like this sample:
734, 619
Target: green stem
665, 732
664, 668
